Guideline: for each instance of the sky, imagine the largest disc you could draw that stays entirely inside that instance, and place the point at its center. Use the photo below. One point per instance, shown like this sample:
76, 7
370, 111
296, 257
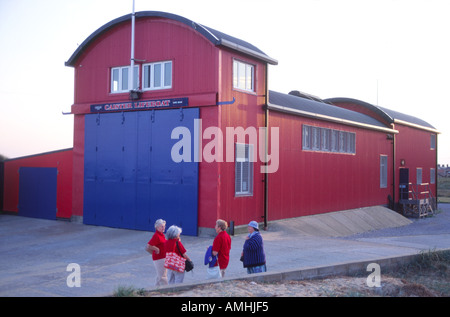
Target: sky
391, 53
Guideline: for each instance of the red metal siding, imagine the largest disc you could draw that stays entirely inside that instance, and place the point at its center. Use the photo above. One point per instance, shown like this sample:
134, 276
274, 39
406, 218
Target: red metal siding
414, 147
62, 160
246, 112
310, 182
78, 165
195, 70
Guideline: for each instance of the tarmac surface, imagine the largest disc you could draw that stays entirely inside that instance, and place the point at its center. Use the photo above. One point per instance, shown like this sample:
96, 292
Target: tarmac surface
36, 254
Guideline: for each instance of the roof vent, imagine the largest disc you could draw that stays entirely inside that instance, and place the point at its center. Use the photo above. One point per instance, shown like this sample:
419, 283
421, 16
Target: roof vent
304, 95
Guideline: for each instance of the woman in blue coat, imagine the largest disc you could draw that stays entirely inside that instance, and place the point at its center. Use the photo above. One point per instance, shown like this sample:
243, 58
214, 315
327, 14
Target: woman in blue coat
253, 254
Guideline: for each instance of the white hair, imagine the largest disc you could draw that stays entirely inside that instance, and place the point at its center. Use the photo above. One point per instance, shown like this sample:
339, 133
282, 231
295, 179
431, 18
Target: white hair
173, 232
159, 222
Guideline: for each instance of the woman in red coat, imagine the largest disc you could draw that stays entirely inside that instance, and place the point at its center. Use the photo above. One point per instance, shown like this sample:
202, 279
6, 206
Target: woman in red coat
222, 245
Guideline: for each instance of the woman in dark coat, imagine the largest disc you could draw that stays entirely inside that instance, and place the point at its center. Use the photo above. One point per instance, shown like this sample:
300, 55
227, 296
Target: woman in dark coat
253, 254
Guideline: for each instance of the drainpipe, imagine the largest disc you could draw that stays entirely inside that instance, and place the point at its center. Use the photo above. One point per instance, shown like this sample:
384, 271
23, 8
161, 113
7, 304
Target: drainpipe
436, 175
131, 79
266, 124
394, 171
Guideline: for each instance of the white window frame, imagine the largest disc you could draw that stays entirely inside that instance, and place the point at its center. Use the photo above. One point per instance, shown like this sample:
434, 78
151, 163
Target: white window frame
328, 140
243, 169
419, 175
432, 176
122, 85
152, 82
306, 138
383, 171
433, 142
243, 76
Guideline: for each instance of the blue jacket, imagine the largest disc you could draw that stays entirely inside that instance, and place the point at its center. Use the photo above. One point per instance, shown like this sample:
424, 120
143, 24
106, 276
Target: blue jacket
254, 251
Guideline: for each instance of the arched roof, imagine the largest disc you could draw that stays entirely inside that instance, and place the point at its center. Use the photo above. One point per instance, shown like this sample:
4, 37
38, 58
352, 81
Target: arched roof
215, 37
323, 111
389, 115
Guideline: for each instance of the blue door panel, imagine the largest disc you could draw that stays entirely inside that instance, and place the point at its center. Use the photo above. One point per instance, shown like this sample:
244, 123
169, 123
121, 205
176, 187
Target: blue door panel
130, 177
37, 192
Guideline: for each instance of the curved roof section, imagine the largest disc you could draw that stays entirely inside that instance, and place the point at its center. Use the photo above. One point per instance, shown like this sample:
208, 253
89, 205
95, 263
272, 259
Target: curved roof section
322, 111
215, 37
390, 116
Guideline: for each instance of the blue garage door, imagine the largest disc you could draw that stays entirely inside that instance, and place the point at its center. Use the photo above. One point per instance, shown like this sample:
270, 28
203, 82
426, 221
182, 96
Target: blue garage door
130, 177
37, 192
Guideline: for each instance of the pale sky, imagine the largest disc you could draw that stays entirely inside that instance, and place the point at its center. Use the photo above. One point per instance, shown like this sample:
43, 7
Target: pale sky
394, 53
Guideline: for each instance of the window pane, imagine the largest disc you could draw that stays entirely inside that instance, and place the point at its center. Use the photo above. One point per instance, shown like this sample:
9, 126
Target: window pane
136, 77
249, 77
168, 74
147, 76
419, 176
334, 141
243, 169
124, 78
383, 171
235, 74
115, 80
316, 138
306, 137
157, 75
241, 74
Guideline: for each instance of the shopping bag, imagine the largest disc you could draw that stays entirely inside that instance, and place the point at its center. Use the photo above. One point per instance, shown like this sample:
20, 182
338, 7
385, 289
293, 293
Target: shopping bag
174, 262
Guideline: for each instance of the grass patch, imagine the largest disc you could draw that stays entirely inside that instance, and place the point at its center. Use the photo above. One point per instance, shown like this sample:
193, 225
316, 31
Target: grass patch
128, 291
429, 272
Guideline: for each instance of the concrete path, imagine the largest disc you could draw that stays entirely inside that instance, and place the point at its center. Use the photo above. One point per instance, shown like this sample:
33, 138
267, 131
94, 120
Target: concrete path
35, 253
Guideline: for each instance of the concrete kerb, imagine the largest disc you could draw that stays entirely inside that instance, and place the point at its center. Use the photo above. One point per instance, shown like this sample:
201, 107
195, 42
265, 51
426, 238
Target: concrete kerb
308, 273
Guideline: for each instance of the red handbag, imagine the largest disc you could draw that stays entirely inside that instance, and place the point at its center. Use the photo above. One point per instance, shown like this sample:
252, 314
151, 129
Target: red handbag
174, 261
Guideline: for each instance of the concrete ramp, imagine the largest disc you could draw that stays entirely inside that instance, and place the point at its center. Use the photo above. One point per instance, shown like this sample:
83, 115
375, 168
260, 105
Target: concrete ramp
342, 223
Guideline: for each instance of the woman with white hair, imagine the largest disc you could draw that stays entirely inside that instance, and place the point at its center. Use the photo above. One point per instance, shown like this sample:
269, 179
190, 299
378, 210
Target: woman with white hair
156, 247
173, 244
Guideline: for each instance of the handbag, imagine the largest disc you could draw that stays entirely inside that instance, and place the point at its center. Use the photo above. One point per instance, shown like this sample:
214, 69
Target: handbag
174, 261
188, 265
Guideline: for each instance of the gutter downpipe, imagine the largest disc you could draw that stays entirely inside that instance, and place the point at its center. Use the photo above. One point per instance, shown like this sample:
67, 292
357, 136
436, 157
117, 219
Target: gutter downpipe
131, 79
394, 170
266, 125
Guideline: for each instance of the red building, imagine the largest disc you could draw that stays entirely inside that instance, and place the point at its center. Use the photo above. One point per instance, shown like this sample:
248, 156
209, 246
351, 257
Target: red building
39, 186
181, 134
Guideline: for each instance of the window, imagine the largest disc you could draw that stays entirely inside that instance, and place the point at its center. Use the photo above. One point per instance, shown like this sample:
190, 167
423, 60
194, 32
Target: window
432, 176
383, 171
120, 78
328, 140
243, 76
334, 141
243, 170
325, 140
315, 139
433, 142
306, 137
157, 75
419, 175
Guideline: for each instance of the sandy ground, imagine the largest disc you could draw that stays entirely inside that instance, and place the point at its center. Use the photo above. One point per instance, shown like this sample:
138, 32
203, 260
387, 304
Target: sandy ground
329, 287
